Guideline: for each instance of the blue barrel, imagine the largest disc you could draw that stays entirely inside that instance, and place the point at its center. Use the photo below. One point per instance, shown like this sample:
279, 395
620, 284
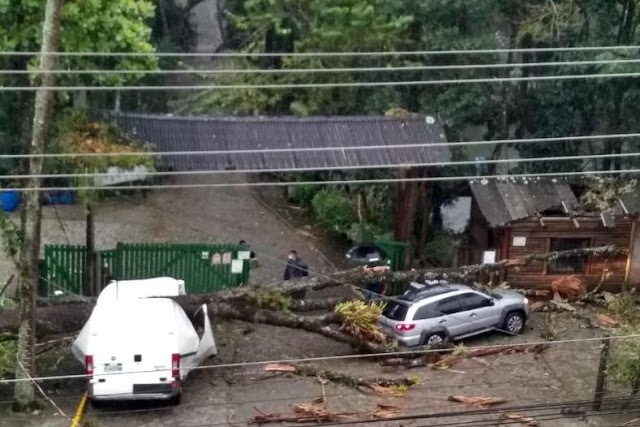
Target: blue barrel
9, 200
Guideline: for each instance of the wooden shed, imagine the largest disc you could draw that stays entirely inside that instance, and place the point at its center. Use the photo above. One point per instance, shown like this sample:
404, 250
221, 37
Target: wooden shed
514, 219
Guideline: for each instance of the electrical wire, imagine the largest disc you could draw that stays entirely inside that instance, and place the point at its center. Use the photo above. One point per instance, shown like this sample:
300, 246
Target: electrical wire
331, 358
513, 141
391, 83
325, 54
530, 177
144, 174
276, 71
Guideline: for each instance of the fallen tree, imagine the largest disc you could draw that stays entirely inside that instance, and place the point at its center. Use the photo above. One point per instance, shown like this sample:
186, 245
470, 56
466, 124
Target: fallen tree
272, 303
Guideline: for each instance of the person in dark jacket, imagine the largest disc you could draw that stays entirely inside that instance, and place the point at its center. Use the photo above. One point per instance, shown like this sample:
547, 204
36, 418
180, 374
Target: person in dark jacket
377, 288
295, 268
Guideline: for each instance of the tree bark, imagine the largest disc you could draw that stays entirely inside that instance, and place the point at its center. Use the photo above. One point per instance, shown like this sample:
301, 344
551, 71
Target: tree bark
30, 251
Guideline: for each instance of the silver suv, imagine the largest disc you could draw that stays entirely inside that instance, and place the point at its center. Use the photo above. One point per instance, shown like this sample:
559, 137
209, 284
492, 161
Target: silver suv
430, 314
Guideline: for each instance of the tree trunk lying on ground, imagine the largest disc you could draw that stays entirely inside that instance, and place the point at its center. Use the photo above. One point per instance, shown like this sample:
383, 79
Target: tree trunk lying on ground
64, 316
444, 361
342, 379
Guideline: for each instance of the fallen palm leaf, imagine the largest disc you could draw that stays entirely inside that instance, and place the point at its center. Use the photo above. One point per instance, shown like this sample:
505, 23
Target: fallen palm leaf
477, 401
360, 319
527, 421
606, 321
385, 411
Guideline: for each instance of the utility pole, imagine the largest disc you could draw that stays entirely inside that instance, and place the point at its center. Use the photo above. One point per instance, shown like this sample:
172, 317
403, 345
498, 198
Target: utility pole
32, 213
90, 287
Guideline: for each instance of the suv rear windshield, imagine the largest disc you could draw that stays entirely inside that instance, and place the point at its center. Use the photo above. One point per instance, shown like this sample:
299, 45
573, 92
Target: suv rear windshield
395, 311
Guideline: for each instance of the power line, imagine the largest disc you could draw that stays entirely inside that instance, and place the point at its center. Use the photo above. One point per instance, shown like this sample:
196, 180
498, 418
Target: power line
533, 176
276, 71
514, 141
333, 358
320, 85
323, 168
324, 54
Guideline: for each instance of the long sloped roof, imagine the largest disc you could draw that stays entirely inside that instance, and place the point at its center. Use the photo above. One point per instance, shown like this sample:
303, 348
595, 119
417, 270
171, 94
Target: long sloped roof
168, 133
502, 202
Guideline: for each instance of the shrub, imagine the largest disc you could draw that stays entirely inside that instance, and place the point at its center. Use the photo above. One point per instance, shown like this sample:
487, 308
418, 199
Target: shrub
8, 349
439, 250
334, 210
304, 194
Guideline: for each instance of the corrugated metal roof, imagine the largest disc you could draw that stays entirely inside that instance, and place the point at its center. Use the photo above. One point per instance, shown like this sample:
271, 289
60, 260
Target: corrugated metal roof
502, 202
171, 133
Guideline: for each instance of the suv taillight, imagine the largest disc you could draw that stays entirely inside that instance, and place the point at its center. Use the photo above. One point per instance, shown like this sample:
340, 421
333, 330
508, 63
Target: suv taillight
403, 327
88, 365
175, 365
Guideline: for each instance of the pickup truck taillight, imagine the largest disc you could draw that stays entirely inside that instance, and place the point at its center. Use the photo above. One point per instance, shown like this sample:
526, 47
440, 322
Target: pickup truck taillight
175, 365
88, 366
403, 327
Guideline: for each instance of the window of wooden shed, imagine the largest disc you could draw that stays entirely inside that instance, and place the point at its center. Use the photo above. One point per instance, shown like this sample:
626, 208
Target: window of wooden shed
569, 265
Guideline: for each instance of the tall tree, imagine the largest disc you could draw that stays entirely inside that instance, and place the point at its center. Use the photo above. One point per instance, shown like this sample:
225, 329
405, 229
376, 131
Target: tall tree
310, 26
32, 213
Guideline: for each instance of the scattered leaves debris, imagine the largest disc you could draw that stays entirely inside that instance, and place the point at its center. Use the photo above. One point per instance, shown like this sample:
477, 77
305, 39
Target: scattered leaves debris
537, 306
606, 321
313, 412
388, 391
477, 401
527, 421
279, 367
568, 287
385, 411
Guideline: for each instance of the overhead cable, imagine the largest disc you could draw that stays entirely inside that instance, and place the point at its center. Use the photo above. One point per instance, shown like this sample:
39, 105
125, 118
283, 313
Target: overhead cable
528, 176
326, 54
513, 141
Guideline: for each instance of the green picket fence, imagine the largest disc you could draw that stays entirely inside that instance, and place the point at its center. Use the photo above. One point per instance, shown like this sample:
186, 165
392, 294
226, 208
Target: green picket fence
204, 268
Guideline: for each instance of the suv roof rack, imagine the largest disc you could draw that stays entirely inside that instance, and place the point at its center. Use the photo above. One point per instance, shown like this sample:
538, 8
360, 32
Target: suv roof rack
418, 291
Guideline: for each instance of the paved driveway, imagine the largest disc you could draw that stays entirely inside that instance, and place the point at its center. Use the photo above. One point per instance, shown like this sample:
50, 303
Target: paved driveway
200, 215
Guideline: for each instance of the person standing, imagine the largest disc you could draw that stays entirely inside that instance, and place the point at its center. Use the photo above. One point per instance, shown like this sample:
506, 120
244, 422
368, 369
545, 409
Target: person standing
296, 267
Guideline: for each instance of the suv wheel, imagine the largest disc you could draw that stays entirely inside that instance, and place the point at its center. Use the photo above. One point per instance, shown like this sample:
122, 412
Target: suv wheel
433, 339
514, 323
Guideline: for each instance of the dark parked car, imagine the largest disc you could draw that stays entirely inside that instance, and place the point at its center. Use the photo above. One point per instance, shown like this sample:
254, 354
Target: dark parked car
366, 253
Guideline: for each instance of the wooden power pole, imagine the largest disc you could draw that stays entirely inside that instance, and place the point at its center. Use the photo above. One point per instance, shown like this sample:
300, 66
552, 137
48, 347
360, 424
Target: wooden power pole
32, 214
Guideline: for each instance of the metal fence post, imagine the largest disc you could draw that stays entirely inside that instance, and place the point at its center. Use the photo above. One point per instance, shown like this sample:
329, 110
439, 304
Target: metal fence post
602, 373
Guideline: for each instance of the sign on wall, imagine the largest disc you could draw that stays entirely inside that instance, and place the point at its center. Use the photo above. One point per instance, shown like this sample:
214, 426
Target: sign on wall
519, 241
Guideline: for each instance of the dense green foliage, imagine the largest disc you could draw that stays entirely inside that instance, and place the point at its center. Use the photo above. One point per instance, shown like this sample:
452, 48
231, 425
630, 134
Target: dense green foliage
90, 26
471, 111
334, 209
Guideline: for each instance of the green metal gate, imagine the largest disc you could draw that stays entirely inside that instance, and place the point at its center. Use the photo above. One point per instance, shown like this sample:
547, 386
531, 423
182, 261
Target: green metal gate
204, 268
63, 270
